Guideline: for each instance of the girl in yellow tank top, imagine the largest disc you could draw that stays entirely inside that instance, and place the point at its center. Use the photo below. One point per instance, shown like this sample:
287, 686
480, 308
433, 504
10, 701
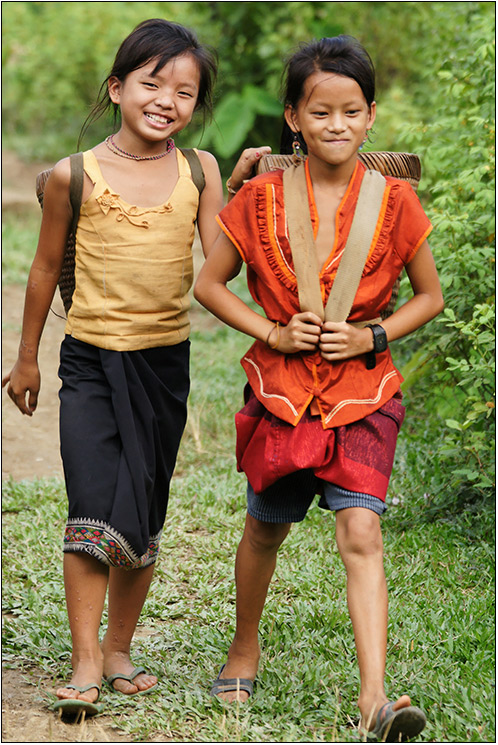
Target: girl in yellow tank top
124, 360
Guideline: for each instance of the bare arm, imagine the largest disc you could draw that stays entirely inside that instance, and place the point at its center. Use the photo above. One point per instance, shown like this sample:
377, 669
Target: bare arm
341, 341
210, 203
24, 378
302, 332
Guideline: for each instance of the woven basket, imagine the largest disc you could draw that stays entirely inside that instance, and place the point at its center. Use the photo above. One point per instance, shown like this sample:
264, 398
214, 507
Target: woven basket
405, 166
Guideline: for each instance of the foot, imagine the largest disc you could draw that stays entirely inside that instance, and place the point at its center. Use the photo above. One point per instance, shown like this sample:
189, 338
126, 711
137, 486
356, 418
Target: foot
119, 663
393, 721
85, 672
242, 662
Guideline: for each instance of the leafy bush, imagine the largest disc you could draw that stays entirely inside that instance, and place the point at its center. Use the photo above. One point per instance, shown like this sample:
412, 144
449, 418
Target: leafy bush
457, 145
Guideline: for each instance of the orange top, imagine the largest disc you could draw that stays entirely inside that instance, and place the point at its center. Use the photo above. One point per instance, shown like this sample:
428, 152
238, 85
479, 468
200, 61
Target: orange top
286, 384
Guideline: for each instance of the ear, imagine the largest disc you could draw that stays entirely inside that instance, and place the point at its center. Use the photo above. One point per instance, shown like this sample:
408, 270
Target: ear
114, 86
371, 115
290, 116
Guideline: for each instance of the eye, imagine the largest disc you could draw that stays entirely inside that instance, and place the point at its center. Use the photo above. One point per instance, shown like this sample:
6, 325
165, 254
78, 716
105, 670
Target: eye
185, 94
320, 114
353, 112
149, 84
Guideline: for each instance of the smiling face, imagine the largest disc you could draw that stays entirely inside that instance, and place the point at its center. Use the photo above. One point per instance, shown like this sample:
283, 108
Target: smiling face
156, 106
333, 118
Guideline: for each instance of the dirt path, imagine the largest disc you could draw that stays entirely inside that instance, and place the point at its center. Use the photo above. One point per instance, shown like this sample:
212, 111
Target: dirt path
30, 449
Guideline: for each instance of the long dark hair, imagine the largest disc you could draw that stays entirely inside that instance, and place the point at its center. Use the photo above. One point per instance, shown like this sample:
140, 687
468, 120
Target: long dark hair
343, 55
163, 40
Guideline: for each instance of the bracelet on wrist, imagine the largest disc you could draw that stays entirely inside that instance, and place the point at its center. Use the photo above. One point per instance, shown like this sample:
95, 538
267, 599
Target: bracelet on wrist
230, 188
274, 346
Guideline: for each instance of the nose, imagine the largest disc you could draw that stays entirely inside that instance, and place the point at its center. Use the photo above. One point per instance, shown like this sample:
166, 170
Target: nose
164, 99
336, 123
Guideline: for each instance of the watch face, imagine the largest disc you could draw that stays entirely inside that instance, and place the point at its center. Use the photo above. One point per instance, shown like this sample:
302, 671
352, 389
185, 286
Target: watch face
380, 339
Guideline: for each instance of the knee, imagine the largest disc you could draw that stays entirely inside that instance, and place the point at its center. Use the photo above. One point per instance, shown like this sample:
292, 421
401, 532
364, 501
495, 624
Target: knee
265, 537
358, 534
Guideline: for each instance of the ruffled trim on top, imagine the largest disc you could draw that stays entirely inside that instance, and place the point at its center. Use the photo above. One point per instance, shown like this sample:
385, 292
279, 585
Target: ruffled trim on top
109, 200
387, 222
266, 216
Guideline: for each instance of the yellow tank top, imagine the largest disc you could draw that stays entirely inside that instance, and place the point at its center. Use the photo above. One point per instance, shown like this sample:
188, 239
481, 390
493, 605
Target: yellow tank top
133, 267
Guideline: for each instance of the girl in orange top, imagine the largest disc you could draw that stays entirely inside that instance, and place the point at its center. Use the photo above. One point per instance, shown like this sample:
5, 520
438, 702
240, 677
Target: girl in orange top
125, 358
321, 416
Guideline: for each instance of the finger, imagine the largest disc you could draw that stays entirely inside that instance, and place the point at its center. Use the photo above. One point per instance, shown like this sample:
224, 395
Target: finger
309, 317
5, 380
33, 401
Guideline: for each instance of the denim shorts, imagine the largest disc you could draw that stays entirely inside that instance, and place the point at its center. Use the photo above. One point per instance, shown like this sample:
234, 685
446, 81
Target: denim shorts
288, 500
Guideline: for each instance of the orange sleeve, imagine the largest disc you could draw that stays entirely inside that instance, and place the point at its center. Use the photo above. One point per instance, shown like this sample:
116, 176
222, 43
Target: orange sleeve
411, 224
238, 220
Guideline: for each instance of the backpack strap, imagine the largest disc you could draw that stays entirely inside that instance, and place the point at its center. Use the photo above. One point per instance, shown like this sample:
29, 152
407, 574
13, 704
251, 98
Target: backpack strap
355, 253
195, 168
76, 187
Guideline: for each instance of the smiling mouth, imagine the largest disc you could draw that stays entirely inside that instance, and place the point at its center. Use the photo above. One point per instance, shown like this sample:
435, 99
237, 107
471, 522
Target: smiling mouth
158, 118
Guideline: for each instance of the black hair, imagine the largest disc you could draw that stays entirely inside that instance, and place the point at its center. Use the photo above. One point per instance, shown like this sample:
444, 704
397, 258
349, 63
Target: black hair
343, 55
161, 40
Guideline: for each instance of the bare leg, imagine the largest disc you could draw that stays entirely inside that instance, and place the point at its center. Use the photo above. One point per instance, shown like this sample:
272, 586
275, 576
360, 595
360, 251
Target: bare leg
127, 593
359, 540
254, 566
85, 580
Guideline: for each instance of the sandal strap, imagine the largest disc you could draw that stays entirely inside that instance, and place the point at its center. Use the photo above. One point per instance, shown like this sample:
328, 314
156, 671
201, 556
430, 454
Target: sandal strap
121, 676
225, 685
84, 689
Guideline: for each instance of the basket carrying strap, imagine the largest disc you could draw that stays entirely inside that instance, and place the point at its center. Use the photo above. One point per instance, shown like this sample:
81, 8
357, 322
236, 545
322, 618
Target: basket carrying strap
76, 188
195, 168
355, 253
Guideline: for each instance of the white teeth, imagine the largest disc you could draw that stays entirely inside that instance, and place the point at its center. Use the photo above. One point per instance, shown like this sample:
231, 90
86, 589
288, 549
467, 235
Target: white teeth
157, 118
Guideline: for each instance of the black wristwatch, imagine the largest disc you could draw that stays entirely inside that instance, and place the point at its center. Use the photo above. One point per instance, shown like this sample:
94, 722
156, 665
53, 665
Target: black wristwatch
380, 343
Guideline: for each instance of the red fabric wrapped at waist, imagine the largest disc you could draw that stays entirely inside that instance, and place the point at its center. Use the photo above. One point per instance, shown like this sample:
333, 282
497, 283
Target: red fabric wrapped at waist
357, 456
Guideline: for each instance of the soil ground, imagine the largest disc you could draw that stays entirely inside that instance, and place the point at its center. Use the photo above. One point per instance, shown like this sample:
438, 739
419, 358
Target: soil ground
30, 449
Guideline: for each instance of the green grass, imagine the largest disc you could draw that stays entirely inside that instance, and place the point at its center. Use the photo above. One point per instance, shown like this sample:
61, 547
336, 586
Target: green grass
439, 565
19, 239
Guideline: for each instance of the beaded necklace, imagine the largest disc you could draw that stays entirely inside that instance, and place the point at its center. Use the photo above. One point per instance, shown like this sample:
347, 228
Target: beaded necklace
109, 141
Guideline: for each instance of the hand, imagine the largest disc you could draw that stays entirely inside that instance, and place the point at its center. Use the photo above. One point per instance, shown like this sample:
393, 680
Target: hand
245, 165
23, 378
301, 334
340, 341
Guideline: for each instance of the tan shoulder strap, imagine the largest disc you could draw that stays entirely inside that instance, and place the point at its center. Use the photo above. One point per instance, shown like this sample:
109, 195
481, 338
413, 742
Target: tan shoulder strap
357, 247
302, 241
355, 253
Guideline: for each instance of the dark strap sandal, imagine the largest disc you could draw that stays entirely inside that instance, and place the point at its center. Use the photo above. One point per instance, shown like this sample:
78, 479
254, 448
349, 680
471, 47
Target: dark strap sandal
397, 725
226, 685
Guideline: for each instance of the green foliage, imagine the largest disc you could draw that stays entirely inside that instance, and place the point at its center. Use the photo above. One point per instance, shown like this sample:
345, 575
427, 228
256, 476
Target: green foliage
457, 145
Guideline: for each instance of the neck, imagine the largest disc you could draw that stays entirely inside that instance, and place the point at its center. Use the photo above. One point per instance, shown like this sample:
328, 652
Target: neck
327, 174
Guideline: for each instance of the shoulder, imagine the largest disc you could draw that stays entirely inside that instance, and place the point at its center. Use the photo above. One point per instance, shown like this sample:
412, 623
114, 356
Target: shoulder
58, 182
208, 162
61, 172
400, 188
271, 177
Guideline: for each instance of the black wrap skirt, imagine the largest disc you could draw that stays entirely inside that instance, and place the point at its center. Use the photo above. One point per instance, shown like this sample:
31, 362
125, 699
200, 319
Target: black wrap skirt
122, 416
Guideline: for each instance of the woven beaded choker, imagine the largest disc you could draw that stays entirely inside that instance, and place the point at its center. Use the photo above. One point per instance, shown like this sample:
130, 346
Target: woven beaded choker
109, 141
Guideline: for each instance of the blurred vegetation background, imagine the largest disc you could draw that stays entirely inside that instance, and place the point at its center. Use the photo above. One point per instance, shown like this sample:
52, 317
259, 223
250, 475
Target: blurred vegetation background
436, 72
